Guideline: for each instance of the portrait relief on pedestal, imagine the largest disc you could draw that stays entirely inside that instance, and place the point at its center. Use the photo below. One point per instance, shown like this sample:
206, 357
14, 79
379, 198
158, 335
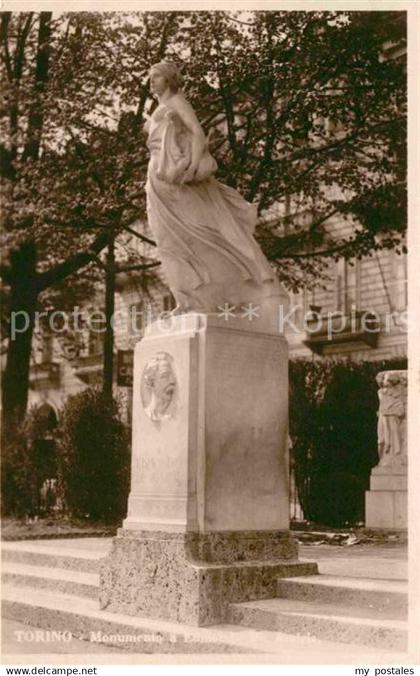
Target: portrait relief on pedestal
158, 387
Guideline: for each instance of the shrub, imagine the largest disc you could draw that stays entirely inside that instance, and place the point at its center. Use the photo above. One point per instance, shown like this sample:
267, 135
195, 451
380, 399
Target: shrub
94, 457
27, 460
336, 499
333, 422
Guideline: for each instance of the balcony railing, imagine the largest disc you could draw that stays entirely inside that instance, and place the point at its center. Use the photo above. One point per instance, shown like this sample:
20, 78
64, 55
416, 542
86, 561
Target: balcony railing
88, 368
44, 373
360, 327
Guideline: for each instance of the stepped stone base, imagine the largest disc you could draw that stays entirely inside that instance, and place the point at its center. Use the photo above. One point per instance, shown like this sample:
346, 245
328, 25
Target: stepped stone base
326, 621
192, 578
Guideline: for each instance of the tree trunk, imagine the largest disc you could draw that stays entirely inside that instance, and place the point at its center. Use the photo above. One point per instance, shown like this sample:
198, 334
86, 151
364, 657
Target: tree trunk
108, 364
22, 307
36, 113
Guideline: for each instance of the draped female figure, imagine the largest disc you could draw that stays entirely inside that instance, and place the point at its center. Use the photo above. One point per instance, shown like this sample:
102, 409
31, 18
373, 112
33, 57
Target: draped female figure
203, 228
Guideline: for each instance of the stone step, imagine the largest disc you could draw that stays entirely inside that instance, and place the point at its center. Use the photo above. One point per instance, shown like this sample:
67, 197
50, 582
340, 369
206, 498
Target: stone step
55, 579
345, 564
51, 556
365, 592
83, 619
47, 581
58, 612
361, 626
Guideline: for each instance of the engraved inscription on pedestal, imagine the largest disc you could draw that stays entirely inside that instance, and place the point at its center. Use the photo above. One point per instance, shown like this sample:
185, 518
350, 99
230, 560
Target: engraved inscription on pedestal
158, 387
230, 358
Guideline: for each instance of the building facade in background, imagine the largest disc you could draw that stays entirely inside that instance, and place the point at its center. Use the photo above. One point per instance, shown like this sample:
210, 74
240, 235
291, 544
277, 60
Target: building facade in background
358, 313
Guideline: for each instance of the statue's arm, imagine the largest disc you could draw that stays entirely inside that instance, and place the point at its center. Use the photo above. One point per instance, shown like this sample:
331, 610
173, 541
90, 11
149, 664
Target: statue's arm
198, 140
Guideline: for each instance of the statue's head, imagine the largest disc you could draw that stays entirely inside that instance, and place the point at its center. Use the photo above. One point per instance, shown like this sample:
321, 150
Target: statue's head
392, 378
158, 386
380, 378
171, 73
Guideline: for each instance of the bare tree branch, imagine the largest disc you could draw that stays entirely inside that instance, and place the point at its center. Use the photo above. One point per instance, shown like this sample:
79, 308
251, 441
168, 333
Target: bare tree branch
138, 235
74, 263
140, 266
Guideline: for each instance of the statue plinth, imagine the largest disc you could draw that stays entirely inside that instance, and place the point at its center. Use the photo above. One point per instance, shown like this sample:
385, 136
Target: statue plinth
386, 501
208, 513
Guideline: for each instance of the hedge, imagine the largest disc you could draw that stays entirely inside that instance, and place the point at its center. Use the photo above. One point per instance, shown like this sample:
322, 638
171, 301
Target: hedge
333, 420
27, 460
94, 457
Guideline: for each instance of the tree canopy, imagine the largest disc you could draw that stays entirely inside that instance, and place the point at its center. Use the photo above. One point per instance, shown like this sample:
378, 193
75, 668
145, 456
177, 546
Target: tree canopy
304, 107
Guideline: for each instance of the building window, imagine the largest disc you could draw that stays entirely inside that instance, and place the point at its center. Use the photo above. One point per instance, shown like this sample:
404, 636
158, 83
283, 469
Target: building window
96, 333
399, 283
347, 286
136, 318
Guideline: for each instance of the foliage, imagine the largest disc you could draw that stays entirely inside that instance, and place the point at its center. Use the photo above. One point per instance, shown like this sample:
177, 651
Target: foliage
27, 460
93, 457
313, 124
298, 103
66, 168
307, 119
333, 428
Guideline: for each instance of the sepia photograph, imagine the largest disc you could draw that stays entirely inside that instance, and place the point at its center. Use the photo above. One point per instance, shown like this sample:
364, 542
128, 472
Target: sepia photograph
209, 381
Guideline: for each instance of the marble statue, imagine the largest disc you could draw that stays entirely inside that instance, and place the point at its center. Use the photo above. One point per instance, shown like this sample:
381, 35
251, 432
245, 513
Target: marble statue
208, 512
392, 423
203, 229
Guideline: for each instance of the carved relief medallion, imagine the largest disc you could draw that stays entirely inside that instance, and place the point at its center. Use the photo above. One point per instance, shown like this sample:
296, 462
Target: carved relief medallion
158, 387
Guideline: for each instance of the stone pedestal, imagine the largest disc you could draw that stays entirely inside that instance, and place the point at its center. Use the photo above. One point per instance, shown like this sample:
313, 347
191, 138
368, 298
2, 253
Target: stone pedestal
208, 513
386, 501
